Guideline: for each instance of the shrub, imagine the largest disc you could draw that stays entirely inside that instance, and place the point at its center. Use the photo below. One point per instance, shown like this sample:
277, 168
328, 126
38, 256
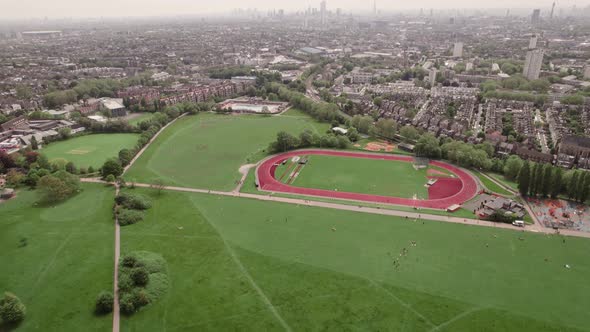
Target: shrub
126, 304
140, 276
104, 303
129, 217
125, 282
110, 178
140, 298
12, 310
136, 202
129, 261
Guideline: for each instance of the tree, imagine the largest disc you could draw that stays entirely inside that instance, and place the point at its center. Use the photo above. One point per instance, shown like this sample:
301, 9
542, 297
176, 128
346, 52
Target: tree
386, 128
12, 310
140, 276
353, 134
362, 123
306, 139
34, 143
538, 183
284, 142
547, 180
512, 167
585, 190
64, 132
110, 178
573, 185
111, 167
57, 187
378, 101
524, 178
158, 185
14, 177
409, 133
104, 303
556, 182
125, 156
428, 146
71, 168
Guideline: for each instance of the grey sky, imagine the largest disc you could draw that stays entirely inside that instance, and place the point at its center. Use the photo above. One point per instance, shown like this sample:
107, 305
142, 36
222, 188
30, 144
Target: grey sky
94, 8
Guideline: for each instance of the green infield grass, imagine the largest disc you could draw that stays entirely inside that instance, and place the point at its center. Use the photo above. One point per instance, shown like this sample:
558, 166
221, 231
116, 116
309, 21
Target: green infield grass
206, 150
57, 259
361, 175
90, 150
242, 264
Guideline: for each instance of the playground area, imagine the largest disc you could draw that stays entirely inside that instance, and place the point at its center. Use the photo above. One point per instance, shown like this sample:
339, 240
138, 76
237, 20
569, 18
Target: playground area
561, 214
377, 146
369, 177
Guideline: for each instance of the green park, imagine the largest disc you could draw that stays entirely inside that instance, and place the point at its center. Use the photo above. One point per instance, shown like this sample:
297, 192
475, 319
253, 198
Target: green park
90, 150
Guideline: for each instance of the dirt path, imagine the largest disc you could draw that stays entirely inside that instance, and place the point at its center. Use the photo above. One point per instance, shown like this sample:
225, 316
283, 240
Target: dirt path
244, 169
116, 314
411, 216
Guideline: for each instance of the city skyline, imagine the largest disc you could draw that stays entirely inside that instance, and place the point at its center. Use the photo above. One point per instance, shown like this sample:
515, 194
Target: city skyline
135, 8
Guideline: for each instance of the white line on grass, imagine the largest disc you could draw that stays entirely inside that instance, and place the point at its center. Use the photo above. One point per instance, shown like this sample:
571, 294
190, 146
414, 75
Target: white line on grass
246, 274
454, 319
404, 304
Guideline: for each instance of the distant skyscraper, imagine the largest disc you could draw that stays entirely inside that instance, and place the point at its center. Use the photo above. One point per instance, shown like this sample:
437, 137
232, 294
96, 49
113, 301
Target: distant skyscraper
375, 7
533, 42
323, 12
532, 65
458, 50
552, 11
536, 17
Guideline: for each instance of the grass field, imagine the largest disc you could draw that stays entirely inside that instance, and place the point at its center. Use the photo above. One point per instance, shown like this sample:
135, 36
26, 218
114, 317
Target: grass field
361, 175
492, 186
142, 117
206, 150
90, 150
67, 260
240, 264
500, 178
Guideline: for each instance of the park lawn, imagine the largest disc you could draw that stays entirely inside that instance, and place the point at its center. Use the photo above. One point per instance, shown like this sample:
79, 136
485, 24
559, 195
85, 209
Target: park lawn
142, 117
492, 186
206, 150
238, 264
500, 178
67, 261
362, 175
90, 150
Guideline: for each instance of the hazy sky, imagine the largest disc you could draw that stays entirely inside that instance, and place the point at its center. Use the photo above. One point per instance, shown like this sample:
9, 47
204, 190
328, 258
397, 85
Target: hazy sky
94, 8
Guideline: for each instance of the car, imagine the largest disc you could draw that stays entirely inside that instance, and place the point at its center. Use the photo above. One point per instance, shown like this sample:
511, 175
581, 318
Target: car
518, 223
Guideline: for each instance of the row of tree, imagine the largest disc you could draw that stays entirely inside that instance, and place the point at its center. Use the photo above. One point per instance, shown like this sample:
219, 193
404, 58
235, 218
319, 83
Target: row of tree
285, 141
545, 180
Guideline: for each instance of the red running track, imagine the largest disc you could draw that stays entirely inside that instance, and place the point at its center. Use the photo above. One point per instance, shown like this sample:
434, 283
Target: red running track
461, 189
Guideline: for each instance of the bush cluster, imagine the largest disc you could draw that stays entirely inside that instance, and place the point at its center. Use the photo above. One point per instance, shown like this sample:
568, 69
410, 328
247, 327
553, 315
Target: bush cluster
133, 201
128, 216
142, 279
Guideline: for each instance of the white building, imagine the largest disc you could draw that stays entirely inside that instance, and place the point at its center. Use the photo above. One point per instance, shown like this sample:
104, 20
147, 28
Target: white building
532, 65
458, 50
587, 71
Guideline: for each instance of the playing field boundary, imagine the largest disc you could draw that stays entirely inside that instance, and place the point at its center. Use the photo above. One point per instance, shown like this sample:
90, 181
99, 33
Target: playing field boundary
266, 181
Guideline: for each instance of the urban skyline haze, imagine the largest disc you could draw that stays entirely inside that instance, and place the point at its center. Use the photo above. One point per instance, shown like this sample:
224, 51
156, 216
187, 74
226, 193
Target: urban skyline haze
122, 8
